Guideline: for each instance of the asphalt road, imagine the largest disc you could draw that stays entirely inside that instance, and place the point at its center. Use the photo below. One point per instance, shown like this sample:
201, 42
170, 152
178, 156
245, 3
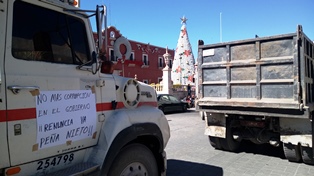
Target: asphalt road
190, 154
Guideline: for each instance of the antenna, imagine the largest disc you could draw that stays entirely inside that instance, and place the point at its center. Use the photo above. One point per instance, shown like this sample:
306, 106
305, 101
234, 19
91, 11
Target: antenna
109, 11
220, 27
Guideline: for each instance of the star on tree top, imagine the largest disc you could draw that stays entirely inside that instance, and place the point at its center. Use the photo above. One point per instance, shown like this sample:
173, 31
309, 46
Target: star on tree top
183, 20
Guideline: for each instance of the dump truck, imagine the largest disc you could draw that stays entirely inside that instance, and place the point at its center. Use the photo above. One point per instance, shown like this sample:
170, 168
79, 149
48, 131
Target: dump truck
260, 90
59, 113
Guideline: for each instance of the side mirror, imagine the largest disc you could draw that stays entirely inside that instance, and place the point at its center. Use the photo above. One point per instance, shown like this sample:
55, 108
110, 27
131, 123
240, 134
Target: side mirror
94, 63
91, 66
101, 20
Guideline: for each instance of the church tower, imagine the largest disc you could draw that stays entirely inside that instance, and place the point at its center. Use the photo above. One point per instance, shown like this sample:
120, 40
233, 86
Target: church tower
183, 61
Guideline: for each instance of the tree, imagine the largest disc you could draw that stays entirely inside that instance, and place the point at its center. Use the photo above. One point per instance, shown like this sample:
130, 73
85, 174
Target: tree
183, 63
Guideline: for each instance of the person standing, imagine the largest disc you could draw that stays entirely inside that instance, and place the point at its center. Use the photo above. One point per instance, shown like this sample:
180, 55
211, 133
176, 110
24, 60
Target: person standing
189, 90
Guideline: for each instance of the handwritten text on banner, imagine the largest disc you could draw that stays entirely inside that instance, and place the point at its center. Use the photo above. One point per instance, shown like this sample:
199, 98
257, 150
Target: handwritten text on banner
64, 116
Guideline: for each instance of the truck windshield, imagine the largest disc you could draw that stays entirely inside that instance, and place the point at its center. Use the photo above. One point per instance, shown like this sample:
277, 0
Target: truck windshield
40, 34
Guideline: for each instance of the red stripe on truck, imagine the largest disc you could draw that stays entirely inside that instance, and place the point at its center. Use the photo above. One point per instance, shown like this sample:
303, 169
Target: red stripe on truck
30, 113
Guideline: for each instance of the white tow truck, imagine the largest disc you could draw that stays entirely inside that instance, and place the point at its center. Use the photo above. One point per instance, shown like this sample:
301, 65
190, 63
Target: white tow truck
59, 115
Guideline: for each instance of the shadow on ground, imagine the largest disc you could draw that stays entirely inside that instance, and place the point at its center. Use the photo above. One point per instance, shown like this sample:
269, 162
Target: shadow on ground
262, 149
186, 168
178, 112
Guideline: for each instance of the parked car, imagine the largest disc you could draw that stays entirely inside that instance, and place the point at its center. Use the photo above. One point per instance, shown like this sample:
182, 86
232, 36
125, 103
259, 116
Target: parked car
169, 103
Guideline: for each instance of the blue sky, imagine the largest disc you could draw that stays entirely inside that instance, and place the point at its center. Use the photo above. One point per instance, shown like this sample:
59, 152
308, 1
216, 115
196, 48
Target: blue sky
158, 22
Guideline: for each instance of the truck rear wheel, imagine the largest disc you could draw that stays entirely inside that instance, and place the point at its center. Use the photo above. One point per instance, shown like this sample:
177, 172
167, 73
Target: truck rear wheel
292, 152
307, 155
229, 143
135, 159
215, 142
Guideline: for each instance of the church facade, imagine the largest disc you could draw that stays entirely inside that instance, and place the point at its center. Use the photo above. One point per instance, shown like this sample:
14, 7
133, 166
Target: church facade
134, 59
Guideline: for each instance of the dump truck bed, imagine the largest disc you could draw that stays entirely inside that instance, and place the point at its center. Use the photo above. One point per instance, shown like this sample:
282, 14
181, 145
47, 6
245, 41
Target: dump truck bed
258, 75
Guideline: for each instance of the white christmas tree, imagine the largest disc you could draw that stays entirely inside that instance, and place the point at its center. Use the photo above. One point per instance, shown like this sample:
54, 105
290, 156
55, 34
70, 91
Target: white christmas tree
183, 62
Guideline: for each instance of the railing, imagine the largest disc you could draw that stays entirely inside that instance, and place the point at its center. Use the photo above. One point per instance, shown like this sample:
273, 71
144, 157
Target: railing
159, 87
178, 87
179, 91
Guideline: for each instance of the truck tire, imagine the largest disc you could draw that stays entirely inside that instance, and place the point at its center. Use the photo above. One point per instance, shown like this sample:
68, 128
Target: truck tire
134, 159
215, 142
292, 152
228, 143
307, 155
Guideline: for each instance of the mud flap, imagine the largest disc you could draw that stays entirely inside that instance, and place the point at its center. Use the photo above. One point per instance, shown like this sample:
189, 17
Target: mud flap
215, 125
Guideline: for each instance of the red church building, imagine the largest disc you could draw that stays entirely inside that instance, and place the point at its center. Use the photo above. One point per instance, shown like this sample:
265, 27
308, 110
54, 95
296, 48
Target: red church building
135, 59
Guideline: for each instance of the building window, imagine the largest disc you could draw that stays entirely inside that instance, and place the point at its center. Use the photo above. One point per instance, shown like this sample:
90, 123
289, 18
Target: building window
145, 81
160, 62
170, 63
145, 59
111, 55
131, 56
159, 80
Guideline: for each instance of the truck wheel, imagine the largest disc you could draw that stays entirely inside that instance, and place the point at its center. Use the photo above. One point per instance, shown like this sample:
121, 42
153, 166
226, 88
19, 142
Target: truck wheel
292, 152
307, 155
135, 159
228, 143
215, 142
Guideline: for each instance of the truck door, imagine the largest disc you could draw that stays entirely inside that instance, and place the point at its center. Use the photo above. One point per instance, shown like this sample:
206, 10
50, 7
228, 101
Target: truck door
51, 105
4, 153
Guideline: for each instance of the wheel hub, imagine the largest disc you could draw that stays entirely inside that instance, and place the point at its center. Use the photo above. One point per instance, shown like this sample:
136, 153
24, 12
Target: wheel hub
135, 169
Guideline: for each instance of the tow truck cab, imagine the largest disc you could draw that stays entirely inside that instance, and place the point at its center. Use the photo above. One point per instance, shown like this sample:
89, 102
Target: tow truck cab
58, 113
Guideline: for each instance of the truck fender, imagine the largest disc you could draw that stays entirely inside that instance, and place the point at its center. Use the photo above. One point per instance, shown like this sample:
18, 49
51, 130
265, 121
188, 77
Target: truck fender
127, 136
296, 131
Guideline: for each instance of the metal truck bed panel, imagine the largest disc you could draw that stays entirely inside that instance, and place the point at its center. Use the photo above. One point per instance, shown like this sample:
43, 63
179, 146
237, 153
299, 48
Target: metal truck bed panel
268, 72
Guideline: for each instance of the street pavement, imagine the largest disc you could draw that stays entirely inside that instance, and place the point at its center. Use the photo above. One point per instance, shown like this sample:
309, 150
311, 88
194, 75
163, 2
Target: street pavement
189, 153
